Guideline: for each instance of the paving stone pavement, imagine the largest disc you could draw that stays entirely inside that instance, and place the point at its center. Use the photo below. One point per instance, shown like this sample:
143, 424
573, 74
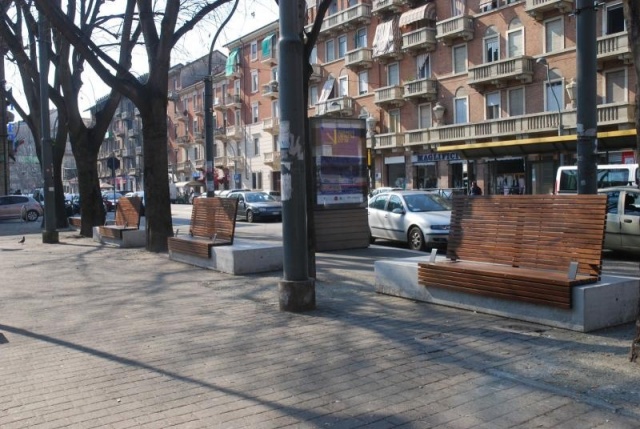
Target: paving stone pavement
94, 336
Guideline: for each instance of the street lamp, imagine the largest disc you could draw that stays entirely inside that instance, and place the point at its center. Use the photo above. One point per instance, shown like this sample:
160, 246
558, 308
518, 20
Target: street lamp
544, 62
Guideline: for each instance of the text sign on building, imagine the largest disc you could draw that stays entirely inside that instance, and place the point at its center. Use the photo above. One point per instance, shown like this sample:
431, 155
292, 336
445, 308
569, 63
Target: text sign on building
340, 160
432, 157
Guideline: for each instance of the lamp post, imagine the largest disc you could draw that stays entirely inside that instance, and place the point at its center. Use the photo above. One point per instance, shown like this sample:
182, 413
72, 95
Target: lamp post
544, 62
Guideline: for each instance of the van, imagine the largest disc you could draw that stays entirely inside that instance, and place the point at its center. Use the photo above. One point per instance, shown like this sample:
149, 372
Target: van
607, 176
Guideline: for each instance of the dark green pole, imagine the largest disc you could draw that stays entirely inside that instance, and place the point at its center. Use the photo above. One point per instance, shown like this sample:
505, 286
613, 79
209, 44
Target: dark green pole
587, 126
296, 290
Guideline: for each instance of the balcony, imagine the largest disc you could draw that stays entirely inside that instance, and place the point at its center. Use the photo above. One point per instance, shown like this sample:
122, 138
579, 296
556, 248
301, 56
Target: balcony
388, 141
220, 161
422, 40
220, 104
125, 114
389, 96
272, 159
134, 133
382, 7
120, 130
421, 89
341, 106
173, 95
220, 134
199, 111
184, 141
345, 20
270, 89
458, 27
271, 59
316, 73
182, 116
359, 58
185, 167
234, 132
613, 47
537, 8
501, 73
138, 150
199, 164
271, 125
199, 137
134, 171
234, 102
126, 153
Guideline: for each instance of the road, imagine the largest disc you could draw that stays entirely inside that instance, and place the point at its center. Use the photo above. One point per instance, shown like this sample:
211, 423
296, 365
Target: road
613, 263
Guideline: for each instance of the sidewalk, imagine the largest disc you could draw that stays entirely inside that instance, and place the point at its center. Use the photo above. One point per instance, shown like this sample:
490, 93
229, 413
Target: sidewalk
94, 336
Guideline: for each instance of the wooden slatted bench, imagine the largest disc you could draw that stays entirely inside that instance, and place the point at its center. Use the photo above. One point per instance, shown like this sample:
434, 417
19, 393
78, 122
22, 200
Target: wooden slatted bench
127, 218
75, 222
530, 248
213, 223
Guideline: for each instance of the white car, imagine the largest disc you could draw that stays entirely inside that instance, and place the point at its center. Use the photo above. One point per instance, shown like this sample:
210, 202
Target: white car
137, 194
418, 218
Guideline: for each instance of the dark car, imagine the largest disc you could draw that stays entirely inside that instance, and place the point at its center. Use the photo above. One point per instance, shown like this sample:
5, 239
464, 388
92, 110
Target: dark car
255, 205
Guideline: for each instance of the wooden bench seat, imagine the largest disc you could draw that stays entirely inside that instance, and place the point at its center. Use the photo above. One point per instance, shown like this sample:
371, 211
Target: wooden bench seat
522, 247
75, 221
127, 218
213, 222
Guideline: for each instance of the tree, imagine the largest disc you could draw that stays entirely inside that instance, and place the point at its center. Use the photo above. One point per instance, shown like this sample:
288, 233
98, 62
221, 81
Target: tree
632, 16
161, 29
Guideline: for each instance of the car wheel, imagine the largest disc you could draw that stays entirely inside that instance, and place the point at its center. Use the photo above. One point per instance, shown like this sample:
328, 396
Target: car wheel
250, 218
32, 215
372, 239
416, 239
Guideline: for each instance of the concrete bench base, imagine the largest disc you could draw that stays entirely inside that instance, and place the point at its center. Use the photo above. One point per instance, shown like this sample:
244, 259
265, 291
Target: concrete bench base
612, 301
131, 238
241, 257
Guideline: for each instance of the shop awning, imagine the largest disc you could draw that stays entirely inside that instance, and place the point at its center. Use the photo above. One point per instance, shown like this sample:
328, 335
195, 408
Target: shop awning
607, 140
232, 61
267, 46
387, 38
414, 15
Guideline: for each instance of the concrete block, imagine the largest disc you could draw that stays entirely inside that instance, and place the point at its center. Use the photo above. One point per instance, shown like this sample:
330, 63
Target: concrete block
610, 302
242, 257
130, 238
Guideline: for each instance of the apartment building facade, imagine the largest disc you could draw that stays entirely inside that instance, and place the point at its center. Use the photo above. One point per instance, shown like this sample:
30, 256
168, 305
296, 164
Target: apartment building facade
455, 90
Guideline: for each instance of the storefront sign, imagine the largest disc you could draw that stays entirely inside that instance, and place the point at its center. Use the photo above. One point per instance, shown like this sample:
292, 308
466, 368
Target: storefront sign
432, 157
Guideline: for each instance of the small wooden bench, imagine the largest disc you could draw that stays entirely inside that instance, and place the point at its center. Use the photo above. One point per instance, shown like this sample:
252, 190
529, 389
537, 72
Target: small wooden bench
75, 222
127, 218
530, 248
213, 223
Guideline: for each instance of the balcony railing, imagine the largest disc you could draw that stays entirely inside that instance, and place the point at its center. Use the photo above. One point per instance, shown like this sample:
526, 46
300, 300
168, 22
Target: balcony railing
185, 166
389, 140
235, 102
537, 8
220, 161
342, 106
421, 40
613, 46
458, 27
199, 137
359, 14
426, 89
500, 73
220, 104
380, 7
271, 158
199, 163
234, 131
359, 58
270, 89
271, 59
389, 96
271, 125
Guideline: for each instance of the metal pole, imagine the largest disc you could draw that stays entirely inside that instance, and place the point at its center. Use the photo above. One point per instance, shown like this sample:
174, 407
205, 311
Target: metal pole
210, 146
587, 126
49, 234
296, 290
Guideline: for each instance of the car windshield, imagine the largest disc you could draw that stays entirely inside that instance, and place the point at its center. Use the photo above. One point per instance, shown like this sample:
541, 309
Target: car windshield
258, 197
426, 203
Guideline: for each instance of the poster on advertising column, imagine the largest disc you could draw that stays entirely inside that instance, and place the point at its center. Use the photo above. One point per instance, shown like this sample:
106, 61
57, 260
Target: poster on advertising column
339, 155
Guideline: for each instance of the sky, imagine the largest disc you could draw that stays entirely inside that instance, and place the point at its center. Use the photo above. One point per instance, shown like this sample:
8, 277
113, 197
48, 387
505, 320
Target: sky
249, 16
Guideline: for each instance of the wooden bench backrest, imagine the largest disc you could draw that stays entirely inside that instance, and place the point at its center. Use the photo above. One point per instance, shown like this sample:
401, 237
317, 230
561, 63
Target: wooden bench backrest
214, 217
128, 212
532, 231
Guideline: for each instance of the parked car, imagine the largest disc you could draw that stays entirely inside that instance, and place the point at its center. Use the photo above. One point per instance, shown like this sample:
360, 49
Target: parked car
622, 231
20, 207
137, 194
374, 192
255, 205
226, 192
418, 218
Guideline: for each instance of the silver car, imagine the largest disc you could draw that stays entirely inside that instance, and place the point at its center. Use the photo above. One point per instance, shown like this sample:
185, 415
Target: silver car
623, 219
418, 218
20, 207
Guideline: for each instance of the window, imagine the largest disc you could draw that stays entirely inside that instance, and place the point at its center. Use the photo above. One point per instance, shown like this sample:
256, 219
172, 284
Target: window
333, 8
351, 3
614, 19
554, 35
330, 51
460, 59
515, 99
394, 121
274, 74
256, 146
491, 45
363, 82
554, 97
492, 107
515, 39
254, 50
423, 66
237, 118
457, 7
254, 113
236, 87
343, 86
361, 38
196, 126
313, 95
313, 57
393, 74
275, 109
254, 81
424, 116
342, 46
460, 105
487, 5
616, 86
